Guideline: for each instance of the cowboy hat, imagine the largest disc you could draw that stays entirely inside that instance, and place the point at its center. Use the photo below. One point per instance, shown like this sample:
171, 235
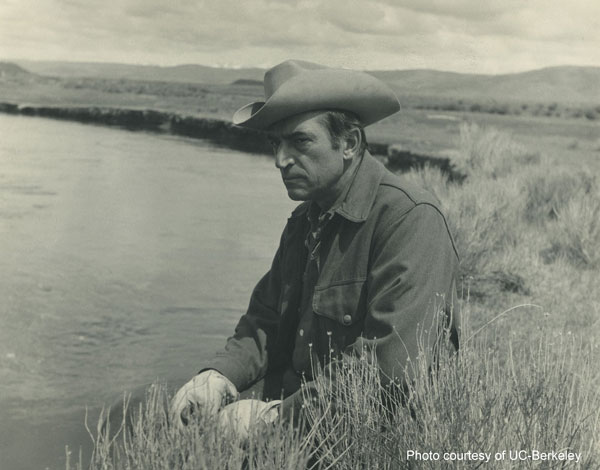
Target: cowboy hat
296, 86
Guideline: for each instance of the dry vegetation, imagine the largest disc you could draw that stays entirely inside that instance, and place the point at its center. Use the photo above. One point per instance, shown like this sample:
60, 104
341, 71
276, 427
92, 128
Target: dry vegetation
560, 110
526, 376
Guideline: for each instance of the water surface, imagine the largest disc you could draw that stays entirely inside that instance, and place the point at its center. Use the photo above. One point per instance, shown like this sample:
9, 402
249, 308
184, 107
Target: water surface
125, 257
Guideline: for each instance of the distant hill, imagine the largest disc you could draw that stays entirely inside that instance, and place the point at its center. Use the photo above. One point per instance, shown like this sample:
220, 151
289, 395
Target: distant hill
9, 70
179, 73
561, 84
567, 84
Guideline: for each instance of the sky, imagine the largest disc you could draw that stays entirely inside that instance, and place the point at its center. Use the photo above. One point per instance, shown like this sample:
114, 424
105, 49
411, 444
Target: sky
475, 36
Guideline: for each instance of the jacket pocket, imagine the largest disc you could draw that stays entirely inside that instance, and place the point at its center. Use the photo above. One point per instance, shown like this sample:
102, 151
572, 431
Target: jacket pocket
343, 301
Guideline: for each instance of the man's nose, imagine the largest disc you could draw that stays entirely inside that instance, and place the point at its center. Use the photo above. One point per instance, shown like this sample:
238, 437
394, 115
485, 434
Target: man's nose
283, 158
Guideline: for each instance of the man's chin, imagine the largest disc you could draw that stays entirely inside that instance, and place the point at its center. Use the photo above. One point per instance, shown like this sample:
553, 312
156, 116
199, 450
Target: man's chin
297, 195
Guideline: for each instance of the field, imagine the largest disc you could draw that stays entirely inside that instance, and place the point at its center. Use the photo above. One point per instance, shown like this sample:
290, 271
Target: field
525, 217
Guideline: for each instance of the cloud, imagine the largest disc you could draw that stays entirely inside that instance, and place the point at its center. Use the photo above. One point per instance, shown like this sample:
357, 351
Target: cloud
472, 10
464, 35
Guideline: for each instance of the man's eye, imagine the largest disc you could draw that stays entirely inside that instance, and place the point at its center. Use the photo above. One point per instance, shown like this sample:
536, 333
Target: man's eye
274, 143
301, 140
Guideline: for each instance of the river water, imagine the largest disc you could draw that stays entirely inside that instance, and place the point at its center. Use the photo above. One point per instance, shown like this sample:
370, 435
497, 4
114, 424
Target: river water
125, 257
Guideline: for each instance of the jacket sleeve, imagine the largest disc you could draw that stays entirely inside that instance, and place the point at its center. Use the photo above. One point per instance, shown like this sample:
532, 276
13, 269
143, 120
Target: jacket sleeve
245, 358
410, 294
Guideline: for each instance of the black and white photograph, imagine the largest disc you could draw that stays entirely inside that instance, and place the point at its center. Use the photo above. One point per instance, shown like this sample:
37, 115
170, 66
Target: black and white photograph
301, 234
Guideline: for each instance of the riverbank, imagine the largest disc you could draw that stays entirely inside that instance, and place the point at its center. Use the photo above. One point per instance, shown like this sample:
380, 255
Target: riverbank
216, 131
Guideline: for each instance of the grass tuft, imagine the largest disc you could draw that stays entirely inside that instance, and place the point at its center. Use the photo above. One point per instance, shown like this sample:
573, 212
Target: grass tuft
576, 234
547, 192
431, 178
490, 153
152, 443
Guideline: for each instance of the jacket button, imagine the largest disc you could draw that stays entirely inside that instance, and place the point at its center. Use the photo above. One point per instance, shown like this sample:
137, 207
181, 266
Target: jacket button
347, 319
301, 332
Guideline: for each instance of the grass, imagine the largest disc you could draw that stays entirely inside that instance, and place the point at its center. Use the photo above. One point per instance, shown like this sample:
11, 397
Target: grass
154, 444
535, 398
577, 234
526, 377
548, 193
480, 401
511, 107
513, 210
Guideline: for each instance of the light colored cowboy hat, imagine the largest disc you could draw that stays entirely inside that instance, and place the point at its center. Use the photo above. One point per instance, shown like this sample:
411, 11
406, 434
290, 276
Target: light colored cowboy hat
296, 86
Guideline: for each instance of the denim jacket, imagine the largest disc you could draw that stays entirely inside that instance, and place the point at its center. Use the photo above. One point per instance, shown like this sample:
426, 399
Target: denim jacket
386, 272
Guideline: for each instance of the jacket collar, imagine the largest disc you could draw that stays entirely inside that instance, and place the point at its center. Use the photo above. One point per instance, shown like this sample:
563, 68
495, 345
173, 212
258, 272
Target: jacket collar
360, 197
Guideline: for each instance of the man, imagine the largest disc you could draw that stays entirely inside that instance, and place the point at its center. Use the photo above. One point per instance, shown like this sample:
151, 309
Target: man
366, 260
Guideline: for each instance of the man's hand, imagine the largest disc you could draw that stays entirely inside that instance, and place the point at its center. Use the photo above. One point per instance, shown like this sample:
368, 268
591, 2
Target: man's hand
206, 393
241, 416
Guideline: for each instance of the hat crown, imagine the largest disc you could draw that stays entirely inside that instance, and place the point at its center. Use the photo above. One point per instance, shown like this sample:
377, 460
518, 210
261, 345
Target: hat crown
281, 73
297, 86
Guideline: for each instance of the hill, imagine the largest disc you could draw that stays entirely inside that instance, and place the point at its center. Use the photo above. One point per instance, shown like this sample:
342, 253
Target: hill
180, 73
12, 72
566, 84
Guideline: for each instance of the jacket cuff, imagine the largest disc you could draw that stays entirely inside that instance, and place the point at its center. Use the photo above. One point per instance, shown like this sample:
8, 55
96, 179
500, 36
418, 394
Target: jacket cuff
233, 371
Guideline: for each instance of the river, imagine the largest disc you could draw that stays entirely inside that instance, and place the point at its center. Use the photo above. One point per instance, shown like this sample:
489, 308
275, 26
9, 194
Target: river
125, 257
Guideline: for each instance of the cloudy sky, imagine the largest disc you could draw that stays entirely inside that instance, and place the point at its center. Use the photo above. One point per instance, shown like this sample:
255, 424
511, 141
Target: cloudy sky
487, 36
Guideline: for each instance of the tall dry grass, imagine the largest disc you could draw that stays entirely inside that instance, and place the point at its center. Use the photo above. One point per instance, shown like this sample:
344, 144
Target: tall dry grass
540, 398
537, 398
512, 209
549, 190
489, 153
576, 234
151, 442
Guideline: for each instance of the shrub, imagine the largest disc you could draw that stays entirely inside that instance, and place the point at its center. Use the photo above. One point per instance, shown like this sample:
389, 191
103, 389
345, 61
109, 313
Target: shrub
483, 216
576, 233
499, 109
489, 153
433, 179
493, 400
546, 192
485, 211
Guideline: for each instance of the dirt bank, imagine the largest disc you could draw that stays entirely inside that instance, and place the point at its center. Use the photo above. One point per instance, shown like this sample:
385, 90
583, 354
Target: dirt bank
220, 132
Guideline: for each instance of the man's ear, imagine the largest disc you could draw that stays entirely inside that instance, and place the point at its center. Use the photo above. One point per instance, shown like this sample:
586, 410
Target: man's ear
352, 144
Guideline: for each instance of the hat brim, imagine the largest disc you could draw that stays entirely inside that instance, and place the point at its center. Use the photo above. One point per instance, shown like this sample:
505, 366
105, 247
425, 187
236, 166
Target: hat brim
364, 95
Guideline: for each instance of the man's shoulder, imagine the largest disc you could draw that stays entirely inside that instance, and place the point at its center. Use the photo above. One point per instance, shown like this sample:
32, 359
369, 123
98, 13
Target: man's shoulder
400, 195
400, 200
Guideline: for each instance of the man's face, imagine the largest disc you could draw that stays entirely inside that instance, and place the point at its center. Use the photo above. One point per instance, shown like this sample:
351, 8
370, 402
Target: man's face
310, 167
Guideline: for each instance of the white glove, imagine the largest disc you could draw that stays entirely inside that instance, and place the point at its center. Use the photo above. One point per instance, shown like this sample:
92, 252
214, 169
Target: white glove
241, 416
207, 393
